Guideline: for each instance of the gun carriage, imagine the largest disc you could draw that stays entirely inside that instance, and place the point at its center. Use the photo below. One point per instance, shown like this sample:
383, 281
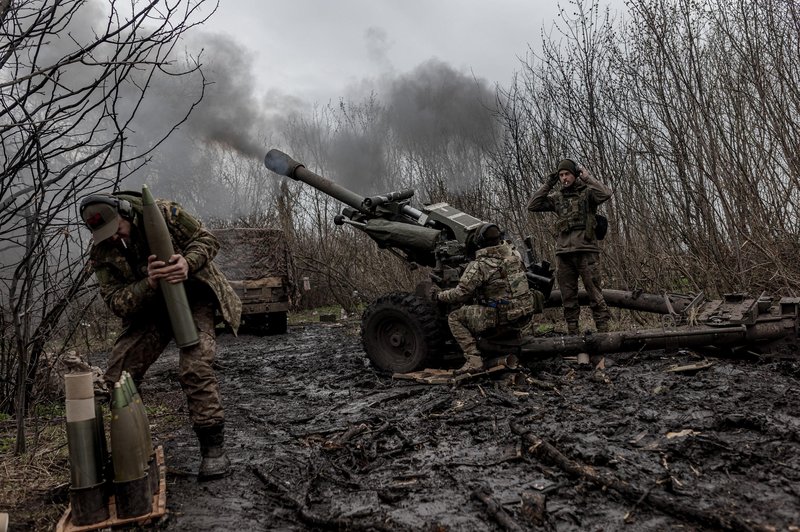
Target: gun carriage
405, 331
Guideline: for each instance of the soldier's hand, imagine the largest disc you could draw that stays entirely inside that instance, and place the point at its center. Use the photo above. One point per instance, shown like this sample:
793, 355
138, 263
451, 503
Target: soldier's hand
174, 271
433, 293
552, 179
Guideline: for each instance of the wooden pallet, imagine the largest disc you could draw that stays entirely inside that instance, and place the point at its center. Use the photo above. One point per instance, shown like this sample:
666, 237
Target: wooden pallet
159, 506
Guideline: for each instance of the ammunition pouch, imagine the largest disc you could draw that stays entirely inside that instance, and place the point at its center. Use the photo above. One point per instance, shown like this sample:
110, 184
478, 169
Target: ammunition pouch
601, 226
567, 226
511, 310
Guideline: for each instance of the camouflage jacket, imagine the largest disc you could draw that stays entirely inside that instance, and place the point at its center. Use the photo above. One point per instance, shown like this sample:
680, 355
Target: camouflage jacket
122, 273
575, 208
496, 278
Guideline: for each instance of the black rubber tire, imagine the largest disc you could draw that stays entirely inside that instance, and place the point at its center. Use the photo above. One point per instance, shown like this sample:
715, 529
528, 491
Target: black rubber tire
400, 332
255, 324
277, 323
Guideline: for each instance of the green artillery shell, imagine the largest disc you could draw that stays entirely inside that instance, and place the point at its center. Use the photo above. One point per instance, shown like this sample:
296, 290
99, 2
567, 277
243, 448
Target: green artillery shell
180, 316
126, 443
100, 435
141, 415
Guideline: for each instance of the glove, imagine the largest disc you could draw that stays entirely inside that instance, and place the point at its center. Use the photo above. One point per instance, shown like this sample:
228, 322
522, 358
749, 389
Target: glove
433, 293
552, 179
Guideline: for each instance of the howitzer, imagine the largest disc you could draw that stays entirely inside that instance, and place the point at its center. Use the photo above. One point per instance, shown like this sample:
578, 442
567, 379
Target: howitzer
402, 332
437, 235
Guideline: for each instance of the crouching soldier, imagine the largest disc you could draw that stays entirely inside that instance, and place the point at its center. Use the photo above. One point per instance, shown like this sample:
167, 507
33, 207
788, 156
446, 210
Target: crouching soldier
497, 284
129, 277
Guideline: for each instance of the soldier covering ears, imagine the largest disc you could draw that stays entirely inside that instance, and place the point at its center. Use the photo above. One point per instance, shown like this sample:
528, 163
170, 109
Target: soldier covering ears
577, 250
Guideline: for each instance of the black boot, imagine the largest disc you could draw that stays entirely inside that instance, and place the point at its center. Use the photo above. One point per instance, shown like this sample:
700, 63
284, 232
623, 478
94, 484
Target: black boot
215, 463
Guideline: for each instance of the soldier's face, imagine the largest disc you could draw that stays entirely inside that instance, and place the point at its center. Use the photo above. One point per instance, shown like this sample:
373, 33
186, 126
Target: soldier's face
123, 231
566, 177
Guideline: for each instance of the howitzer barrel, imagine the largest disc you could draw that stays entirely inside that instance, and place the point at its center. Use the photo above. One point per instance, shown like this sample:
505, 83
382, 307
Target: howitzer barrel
283, 164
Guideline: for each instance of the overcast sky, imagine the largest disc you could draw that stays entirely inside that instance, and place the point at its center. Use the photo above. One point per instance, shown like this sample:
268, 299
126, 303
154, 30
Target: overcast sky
316, 49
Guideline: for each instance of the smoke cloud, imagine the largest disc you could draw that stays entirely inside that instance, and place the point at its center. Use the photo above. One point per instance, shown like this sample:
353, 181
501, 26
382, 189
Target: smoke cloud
231, 114
433, 106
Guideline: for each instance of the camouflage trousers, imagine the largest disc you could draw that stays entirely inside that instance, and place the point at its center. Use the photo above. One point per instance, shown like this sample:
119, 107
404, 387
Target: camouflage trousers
584, 266
467, 321
470, 320
145, 338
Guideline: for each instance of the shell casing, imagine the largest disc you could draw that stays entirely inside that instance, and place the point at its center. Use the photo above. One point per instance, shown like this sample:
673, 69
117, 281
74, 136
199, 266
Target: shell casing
180, 315
83, 438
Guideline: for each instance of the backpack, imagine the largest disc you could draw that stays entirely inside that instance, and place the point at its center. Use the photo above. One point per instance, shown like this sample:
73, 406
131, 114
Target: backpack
600, 227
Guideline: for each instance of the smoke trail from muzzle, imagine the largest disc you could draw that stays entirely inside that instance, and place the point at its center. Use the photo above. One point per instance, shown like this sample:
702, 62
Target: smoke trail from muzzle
231, 114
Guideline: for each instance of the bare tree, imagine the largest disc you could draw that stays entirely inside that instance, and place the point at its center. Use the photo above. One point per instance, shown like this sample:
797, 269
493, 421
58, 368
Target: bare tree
689, 110
75, 75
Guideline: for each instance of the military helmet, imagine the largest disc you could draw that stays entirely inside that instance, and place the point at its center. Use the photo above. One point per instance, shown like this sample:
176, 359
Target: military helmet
101, 213
489, 234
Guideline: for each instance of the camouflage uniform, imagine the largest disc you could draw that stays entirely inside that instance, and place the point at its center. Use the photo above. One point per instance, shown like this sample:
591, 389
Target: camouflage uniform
122, 274
577, 250
496, 280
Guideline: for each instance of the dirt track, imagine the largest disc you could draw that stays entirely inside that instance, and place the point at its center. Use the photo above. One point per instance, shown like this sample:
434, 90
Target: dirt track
319, 441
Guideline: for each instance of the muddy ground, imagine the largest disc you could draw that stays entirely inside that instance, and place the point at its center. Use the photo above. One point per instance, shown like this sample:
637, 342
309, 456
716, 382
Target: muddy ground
319, 441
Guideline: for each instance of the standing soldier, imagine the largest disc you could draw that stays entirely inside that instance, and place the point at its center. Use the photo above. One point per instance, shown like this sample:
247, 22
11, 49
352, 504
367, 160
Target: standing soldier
496, 281
577, 250
129, 277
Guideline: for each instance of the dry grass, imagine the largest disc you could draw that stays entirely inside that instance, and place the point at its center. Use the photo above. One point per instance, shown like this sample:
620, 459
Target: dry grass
34, 485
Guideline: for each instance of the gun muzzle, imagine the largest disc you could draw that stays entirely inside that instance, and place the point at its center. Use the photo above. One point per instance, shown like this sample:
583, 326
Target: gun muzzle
282, 164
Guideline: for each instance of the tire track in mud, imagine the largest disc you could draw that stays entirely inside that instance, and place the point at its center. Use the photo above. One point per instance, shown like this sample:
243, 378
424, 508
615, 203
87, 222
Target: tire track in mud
319, 441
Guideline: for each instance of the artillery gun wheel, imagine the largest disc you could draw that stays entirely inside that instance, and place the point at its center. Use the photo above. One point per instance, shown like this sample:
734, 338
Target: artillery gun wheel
400, 333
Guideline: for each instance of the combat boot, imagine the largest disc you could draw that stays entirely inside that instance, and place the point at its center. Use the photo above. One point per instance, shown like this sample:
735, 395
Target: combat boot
473, 364
215, 462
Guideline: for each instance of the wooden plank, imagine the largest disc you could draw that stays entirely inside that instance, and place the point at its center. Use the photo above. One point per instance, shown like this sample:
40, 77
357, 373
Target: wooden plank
445, 376
688, 368
265, 282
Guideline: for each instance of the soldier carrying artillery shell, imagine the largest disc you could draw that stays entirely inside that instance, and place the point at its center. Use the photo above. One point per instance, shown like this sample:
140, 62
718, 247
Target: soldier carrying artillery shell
135, 286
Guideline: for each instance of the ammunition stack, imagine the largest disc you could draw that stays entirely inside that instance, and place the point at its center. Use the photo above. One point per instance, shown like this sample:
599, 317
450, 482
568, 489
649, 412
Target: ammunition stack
132, 451
122, 489
86, 440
